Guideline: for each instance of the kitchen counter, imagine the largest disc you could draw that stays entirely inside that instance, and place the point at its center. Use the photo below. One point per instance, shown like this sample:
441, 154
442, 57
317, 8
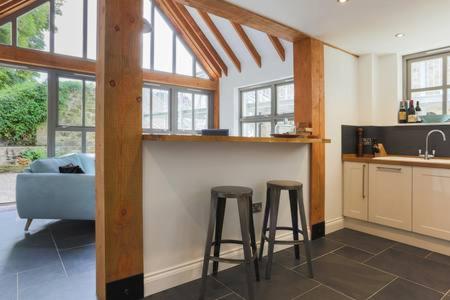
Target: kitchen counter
441, 163
229, 139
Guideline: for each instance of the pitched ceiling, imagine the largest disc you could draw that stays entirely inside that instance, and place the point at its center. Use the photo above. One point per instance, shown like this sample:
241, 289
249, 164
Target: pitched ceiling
364, 26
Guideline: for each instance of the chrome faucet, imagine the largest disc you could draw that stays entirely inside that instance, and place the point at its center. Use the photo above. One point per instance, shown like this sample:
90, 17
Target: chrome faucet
427, 154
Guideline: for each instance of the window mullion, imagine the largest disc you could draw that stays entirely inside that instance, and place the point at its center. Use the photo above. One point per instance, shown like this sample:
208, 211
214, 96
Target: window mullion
52, 26
85, 30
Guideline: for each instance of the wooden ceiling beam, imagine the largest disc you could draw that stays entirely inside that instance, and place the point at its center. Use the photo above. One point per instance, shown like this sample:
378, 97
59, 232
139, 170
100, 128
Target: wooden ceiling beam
248, 43
10, 7
184, 13
278, 46
181, 27
226, 47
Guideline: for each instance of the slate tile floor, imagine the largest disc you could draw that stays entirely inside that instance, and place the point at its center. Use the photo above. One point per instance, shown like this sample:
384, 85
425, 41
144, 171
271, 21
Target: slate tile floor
347, 265
55, 260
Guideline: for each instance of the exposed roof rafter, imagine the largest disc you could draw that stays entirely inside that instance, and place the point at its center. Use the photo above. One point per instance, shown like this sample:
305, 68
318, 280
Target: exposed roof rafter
278, 46
248, 43
9, 7
226, 47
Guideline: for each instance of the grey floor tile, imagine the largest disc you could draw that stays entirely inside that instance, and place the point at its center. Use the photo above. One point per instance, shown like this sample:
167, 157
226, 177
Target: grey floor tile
319, 247
284, 284
70, 234
190, 291
411, 249
353, 253
79, 260
348, 276
423, 271
36, 277
360, 240
440, 258
8, 287
322, 292
401, 289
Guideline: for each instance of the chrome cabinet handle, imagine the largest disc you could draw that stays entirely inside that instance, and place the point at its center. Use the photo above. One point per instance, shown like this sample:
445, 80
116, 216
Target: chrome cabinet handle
364, 182
389, 169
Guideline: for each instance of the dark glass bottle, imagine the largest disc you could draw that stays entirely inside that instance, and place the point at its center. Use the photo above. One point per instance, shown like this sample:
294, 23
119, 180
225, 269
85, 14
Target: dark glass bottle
412, 118
402, 117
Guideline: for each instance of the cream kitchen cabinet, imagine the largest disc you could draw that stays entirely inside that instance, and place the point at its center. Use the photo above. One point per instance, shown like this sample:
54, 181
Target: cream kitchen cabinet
356, 182
390, 195
431, 202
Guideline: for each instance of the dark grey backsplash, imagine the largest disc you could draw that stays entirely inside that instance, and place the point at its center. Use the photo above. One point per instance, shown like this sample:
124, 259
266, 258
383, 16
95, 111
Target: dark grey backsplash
398, 140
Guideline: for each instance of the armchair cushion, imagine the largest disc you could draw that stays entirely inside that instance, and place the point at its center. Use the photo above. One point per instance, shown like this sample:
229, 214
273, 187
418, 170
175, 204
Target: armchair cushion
51, 165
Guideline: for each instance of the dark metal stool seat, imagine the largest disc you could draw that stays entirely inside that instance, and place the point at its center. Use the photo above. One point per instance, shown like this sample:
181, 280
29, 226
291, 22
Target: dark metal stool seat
295, 189
219, 195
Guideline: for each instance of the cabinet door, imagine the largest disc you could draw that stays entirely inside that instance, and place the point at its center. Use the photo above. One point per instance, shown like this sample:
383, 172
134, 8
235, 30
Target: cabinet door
431, 202
356, 179
390, 189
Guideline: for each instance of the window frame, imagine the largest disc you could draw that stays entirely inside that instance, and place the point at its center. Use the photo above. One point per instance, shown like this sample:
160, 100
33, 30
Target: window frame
408, 60
173, 108
274, 117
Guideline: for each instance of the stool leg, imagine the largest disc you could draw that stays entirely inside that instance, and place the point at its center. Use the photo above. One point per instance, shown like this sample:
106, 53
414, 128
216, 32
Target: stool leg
294, 217
253, 239
244, 218
209, 237
264, 226
219, 226
306, 241
274, 205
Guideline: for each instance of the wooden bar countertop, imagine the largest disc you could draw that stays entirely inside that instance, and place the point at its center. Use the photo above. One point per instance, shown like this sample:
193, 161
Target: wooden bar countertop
402, 160
229, 139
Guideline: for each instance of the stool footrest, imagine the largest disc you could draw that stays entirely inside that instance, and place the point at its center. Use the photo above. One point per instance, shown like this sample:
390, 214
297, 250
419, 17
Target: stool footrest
230, 260
280, 242
227, 242
286, 228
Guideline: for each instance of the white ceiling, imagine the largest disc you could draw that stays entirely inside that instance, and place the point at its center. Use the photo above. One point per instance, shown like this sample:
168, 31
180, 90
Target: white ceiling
364, 26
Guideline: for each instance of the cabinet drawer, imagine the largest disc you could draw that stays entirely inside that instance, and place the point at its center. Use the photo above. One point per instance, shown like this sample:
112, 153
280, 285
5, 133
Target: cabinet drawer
390, 201
431, 202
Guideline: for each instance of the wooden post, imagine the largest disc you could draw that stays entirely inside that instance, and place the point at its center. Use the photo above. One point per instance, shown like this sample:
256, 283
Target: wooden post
310, 110
119, 232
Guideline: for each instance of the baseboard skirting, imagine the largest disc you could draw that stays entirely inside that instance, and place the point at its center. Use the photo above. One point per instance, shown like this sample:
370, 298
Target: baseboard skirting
167, 278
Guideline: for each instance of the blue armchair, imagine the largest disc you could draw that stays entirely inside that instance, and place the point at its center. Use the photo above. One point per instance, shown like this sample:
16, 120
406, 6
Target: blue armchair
43, 193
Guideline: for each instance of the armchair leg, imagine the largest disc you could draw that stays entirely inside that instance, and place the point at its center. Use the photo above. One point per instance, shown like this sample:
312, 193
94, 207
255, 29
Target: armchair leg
27, 225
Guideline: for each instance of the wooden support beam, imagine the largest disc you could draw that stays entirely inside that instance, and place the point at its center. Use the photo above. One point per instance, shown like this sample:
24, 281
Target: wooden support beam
118, 148
248, 43
10, 7
310, 111
278, 46
226, 47
239, 15
184, 30
39, 59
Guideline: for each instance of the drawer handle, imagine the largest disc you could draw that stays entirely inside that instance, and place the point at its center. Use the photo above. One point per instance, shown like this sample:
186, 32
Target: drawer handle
389, 169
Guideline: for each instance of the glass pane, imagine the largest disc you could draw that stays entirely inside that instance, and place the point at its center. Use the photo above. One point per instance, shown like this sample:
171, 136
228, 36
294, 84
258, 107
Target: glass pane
285, 99
264, 106
200, 72
448, 101
264, 129
67, 142
70, 102
448, 70
69, 28
90, 142
89, 109
427, 73
430, 101
6, 34
201, 112
184, 111
92, 30
163, 44
160, 109
146, 36
248, 104
184, 60
146, 108
33, 29
248, 129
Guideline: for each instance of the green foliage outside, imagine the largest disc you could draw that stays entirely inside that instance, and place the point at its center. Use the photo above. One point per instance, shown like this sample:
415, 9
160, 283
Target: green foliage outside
32, 154
5, 34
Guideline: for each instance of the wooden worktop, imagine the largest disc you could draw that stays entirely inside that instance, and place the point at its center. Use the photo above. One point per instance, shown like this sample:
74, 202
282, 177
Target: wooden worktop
229, 139
440, 163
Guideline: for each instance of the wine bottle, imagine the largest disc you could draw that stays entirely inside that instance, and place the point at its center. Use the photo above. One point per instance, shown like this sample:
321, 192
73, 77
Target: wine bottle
419, 113
412, 118
402, 118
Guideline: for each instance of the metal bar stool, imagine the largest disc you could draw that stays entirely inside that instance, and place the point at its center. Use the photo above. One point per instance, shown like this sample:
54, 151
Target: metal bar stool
219, 196
274, 189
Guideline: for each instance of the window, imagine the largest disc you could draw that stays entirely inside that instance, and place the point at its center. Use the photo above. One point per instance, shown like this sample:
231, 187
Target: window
33, 28
6, 34
75, 118
174, 109
428, 81
69, 28
263, 107
163, 50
